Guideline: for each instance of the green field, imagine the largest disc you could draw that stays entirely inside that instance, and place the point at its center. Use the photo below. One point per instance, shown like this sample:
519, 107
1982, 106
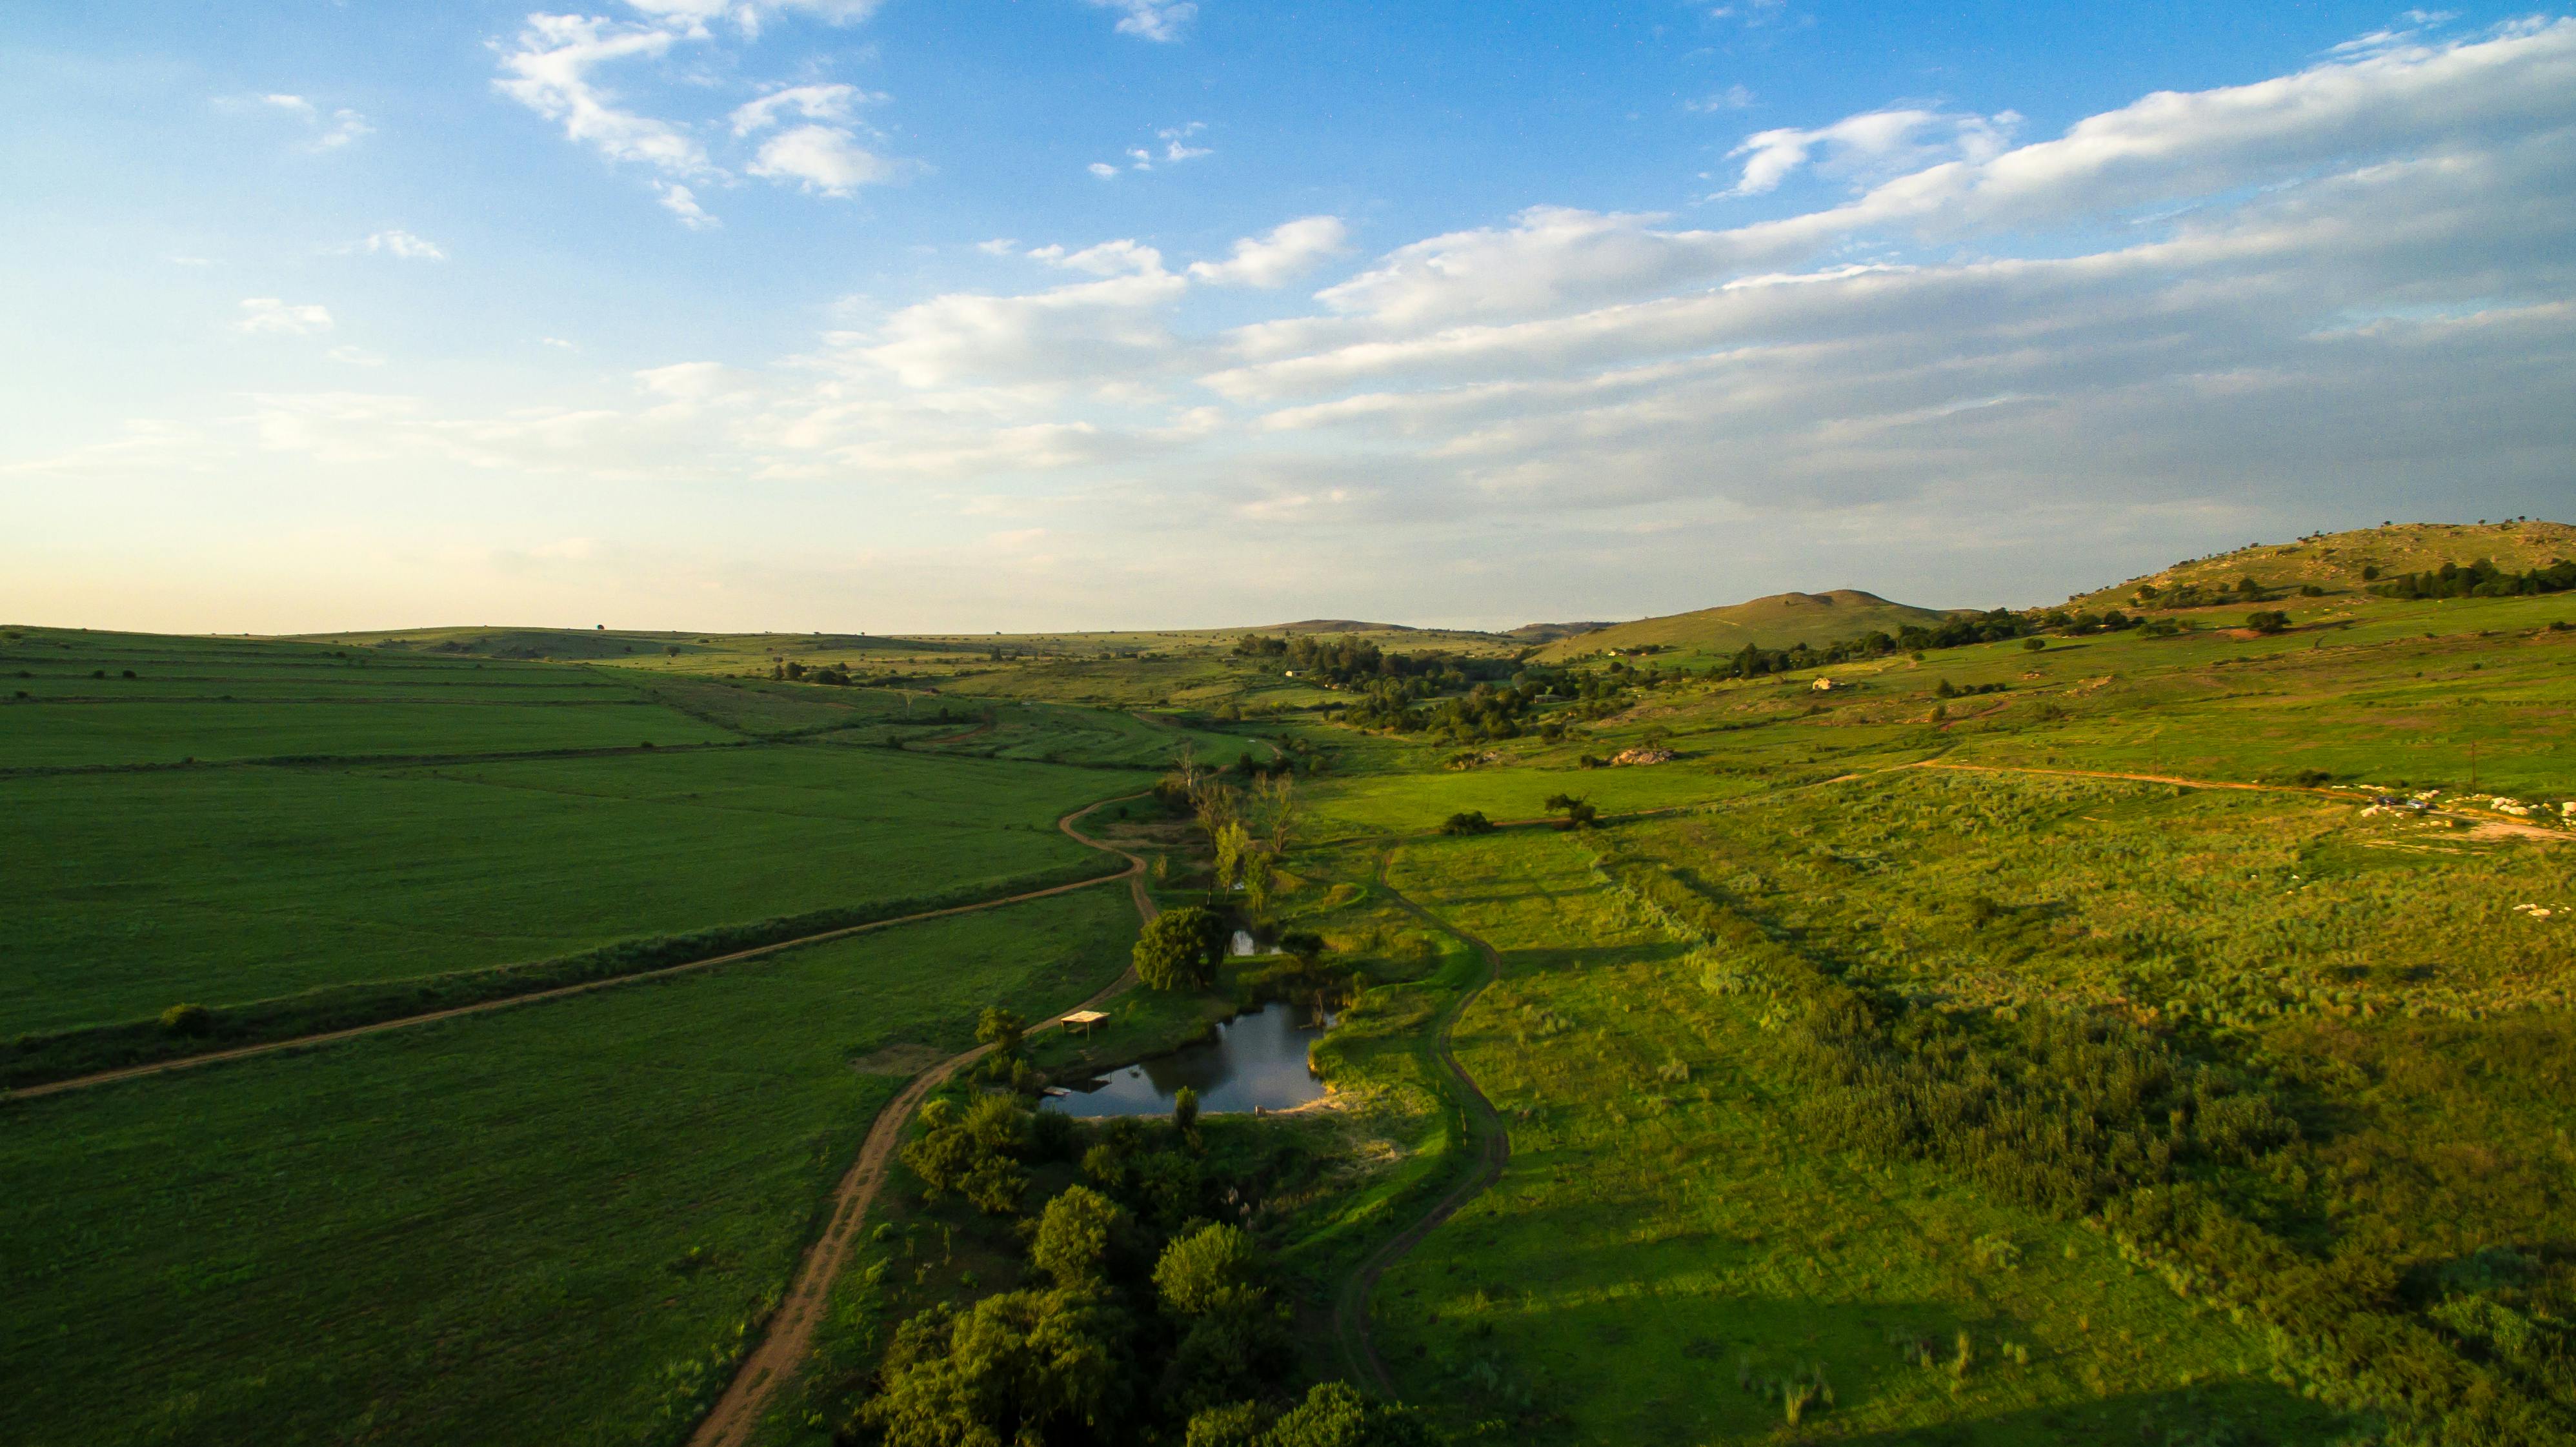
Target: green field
262, 882
543, 1225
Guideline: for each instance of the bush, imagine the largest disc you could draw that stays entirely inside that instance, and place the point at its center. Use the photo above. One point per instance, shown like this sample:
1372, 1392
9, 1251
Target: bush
191, 1020
2034, 644
1180, 948
1471, 822
2267, 621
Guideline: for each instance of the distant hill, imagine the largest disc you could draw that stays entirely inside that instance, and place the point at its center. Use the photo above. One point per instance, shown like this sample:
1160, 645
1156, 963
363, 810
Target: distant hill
2336, 561
1774, 622
1550, 632
1337, 625
580, 644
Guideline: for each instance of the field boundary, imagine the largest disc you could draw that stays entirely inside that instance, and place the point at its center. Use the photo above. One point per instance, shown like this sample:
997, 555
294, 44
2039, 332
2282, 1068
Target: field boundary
1493, 1152
327, 1037
789, 1334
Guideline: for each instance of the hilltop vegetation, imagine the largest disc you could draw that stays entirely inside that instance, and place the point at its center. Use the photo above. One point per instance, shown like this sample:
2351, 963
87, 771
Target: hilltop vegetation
1777, 622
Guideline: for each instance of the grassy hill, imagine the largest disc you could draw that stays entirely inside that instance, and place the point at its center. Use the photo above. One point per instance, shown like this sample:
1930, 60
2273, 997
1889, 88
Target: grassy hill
2335, 561
1774, 622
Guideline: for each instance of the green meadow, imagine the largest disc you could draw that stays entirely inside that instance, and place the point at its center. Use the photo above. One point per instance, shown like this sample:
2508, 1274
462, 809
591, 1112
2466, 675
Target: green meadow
548, 1224
252, 883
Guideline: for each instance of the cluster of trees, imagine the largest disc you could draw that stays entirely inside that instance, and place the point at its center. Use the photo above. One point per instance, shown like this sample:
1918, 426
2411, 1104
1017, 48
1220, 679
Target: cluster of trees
2247, 589
1946, 689
1345, 660
2195, 1166
1482, 714
2088, 622
2481, 579
835, 674
1754, 661
1148, 1312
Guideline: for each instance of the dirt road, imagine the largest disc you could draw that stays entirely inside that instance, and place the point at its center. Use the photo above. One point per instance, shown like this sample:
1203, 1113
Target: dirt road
1134, 873
790, 1333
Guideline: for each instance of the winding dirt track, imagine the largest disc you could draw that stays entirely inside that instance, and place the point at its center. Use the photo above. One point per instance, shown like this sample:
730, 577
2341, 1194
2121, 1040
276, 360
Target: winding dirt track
791, 1330
1494, 1151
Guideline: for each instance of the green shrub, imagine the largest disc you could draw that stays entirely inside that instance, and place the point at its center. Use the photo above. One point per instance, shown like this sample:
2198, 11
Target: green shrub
190, 1020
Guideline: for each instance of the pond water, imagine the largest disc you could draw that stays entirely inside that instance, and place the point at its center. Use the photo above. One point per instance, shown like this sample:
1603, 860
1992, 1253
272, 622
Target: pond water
1257, 1059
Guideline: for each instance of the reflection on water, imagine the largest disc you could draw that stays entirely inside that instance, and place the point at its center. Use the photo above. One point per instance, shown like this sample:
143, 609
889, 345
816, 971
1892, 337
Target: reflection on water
1256, 1060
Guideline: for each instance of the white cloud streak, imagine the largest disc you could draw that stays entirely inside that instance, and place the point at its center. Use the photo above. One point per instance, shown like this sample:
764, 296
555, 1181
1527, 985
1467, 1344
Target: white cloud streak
1158, 20
267, 316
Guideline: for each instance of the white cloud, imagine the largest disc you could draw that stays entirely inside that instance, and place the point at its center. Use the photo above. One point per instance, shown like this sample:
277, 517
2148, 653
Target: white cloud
268, 316
397, 242
550, 72
1175, 148
680, 201
1109, 258
340, 128
813, 102
356, 357
748, 14
1288, 252
820, 158
1874, 145
558, 343
1162, 20
1733, 98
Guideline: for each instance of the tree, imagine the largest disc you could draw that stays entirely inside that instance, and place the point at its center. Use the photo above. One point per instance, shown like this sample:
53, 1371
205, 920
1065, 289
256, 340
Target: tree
1210, 1270
1023, 1366
1185, 1110
1471, 822
187, 1019
1002, 1029
1306, 945
2034, 644
2267, 621
1578, 813
1179, 949
1336, 1414
1076, 1234
1260, 869
1275, 812
1233, 842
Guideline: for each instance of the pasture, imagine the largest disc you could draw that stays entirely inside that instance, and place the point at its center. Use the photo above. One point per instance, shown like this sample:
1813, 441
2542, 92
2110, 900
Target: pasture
1665, 1259
551, 1224
252, 883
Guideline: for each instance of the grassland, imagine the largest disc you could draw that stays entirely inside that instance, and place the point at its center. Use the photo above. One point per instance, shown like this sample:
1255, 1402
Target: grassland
2011, 1044
547, 1225
1778, 621
259, 883
1665, 1250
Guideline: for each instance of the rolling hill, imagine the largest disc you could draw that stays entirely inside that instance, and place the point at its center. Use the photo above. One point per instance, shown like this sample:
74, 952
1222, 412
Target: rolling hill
1774, 622
2335, 561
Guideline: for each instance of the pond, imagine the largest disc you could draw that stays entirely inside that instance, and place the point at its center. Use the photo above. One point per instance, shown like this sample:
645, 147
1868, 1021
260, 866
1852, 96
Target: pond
1257, 1059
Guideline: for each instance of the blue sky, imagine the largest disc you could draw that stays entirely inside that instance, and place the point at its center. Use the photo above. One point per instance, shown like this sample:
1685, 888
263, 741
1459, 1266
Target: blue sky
1061, 313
